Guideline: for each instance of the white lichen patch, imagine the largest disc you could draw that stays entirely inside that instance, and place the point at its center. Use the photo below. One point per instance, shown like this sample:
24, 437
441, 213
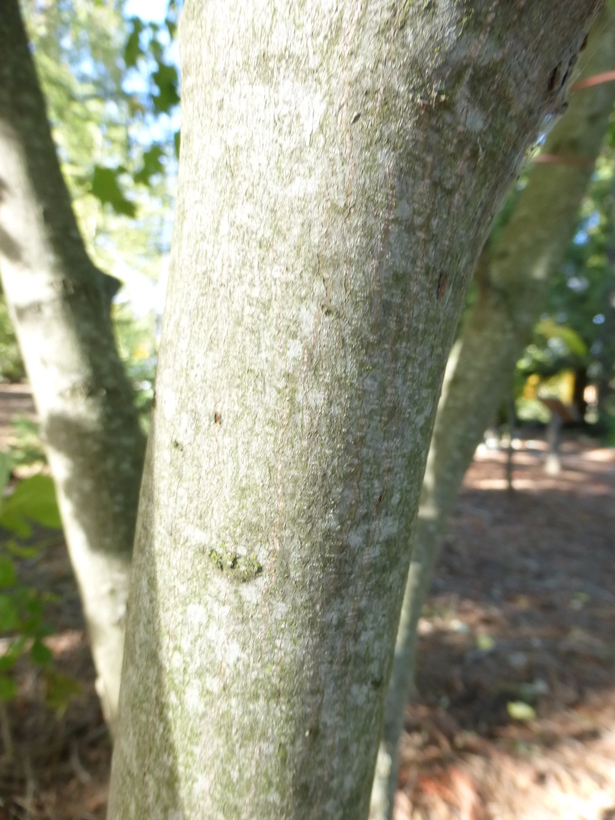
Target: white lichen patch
193, 701
302, 186
233, 653
197, 614
403, 211
212, 683
294, 349
358, 538
389, 527
194, 536
252, 593
472, 118
169, 404
186, 430
359, 694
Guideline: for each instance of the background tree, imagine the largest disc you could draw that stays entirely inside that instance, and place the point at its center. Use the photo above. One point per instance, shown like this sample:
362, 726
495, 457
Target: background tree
340, 165
575, 339
113, 122
60, 303
113, 126
513, 276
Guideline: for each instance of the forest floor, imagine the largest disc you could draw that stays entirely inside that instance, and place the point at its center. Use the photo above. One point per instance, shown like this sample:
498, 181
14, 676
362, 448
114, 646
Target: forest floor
515, 713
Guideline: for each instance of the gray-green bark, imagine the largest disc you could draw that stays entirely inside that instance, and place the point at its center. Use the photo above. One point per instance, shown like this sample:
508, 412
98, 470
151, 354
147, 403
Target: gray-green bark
340, 166
59, 303
513, 277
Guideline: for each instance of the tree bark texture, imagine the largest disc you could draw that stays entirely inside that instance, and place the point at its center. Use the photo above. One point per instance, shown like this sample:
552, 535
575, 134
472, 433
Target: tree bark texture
59, 302
513, 277
340, 165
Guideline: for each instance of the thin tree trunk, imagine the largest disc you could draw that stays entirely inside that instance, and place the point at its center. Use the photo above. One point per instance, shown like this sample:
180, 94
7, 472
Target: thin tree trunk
59, 303
340, 166
513, 279
510, 450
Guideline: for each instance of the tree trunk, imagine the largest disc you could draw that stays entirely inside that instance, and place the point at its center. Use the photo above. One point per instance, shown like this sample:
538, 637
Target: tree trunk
340, 166
513, 279
59, 303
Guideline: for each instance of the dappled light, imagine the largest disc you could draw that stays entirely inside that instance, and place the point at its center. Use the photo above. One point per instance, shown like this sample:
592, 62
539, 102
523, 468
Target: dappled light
515, 714
300, 588
516, 695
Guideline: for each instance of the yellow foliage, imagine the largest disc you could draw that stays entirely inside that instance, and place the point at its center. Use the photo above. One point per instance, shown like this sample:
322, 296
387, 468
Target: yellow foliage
141, 352
530, 388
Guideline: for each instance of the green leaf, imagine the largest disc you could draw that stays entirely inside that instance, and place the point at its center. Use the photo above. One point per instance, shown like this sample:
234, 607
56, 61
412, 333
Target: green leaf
9, 614
520, 711
167, 81
40, 653
133, 49
8, 688
485, 642
5, 473
34, 498
9, 658
105, 187
550, 329
155, 47
151, 164
7, 572
35, 610
135, 105
176, 142
60, 689
22, 552
33, 604
15, 523
171, 27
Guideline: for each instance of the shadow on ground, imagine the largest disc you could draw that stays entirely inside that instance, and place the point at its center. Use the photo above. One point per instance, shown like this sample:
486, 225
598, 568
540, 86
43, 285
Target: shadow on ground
515, 715
521, 612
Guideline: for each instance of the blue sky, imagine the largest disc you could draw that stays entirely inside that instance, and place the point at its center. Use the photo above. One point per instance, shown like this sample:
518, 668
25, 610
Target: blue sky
149, 10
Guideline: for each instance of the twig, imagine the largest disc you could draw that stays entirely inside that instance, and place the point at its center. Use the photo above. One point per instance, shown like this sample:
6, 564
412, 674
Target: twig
83, 776
5, 728
30, 788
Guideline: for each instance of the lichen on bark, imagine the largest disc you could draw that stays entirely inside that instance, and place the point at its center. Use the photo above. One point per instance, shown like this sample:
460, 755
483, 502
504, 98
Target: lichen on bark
320, 202
513, 275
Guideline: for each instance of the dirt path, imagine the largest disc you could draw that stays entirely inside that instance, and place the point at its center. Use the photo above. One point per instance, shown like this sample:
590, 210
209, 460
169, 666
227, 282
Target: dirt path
521, 613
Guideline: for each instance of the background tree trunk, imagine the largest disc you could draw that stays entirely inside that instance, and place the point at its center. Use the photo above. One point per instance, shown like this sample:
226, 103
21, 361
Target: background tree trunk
59, 303
513, 277
340, 165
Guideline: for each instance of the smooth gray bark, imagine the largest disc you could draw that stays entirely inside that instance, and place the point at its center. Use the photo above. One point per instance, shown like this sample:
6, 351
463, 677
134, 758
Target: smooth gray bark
513, 277
340, 166
59, 303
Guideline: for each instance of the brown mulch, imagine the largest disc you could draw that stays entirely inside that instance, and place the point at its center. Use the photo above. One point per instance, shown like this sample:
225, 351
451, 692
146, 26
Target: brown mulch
521, 612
